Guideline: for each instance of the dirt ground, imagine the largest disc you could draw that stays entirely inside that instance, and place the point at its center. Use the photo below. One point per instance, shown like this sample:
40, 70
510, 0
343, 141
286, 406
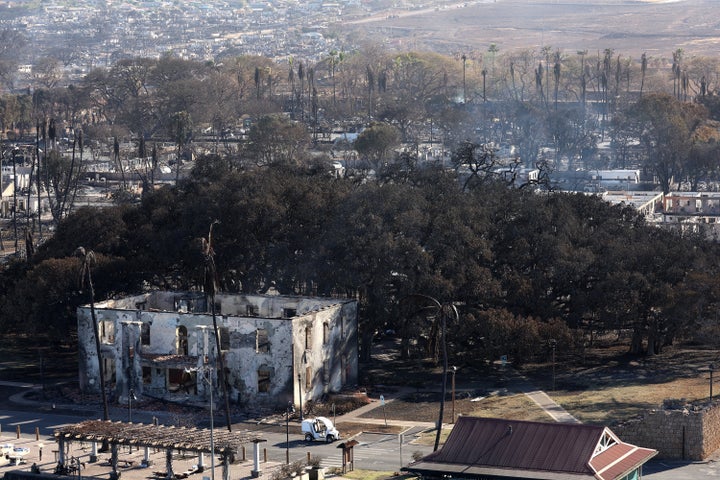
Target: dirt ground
603, 386
629, 27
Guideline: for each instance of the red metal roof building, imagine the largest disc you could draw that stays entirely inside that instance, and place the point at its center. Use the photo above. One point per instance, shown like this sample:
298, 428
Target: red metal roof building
494, 449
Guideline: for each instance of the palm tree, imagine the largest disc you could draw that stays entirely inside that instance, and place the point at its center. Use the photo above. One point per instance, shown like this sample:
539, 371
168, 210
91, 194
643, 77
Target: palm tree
88, 259
464, 65
257, 83
291, 79
310, 87
181, 129
370, 78
643, 70
483, 72
546, 53
583, 79
677, 69
539, 81
493, 50
441, 313
556, 75
211, 285
118, 162
301, 91
335, 59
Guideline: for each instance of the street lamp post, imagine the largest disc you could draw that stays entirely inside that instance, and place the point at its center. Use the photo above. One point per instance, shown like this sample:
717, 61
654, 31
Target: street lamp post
212, 427
712, 368
15, 188
131, 397
454, 371
290, 409
205, 370
553, 344
300, 395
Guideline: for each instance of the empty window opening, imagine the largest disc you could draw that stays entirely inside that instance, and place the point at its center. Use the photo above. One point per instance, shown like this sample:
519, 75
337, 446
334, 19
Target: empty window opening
107, 331
343, 375
326, 332
308, 379
224, 338
182, 340
289, 312
188, 382
326, 372
182, 306
308, 338
175, 379
262, 343
252, 310
264, 376
145, 334
147, 375
109, 366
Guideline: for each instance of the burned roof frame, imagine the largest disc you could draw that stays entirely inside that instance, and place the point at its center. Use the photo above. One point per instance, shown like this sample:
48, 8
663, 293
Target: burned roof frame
155, 436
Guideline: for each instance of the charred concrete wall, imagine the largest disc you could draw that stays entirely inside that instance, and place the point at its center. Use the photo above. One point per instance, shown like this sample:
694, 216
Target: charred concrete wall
275, 348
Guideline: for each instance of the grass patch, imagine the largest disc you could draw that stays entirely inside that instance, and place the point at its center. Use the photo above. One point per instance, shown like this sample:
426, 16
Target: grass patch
348, 429
425, 407
372, 475
511, 407
613, 403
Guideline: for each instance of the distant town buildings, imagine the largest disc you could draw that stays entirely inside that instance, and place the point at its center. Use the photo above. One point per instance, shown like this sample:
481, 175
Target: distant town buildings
87, 34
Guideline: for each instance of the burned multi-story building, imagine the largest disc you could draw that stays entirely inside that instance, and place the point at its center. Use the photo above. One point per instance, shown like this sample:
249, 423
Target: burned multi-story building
275, 348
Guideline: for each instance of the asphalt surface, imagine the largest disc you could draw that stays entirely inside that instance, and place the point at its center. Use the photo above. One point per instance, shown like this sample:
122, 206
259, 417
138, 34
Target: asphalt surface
36, 422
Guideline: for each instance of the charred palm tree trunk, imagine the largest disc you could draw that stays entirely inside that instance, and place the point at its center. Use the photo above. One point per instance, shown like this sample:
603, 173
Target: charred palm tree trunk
643, 71
88, 258
441, 316
210, 289
443, 326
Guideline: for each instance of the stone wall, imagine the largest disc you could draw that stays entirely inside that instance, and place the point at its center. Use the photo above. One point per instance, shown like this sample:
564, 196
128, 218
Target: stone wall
690, 434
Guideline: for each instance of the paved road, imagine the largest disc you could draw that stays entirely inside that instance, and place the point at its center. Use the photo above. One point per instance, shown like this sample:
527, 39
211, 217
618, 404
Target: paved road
380, 452
668, 470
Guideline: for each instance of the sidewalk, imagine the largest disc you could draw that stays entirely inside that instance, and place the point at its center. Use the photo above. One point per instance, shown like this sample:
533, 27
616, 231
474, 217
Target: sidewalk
90, 411
542, 399
357, 414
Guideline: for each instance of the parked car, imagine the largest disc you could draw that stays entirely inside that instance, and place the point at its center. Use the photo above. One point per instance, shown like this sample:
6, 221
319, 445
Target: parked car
319, 428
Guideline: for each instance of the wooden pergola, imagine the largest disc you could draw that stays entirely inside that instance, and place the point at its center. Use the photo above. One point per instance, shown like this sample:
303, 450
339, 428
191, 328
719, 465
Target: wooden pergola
160, 437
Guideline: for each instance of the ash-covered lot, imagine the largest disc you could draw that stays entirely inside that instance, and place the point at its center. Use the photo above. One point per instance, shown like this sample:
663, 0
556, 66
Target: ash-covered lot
656, 27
